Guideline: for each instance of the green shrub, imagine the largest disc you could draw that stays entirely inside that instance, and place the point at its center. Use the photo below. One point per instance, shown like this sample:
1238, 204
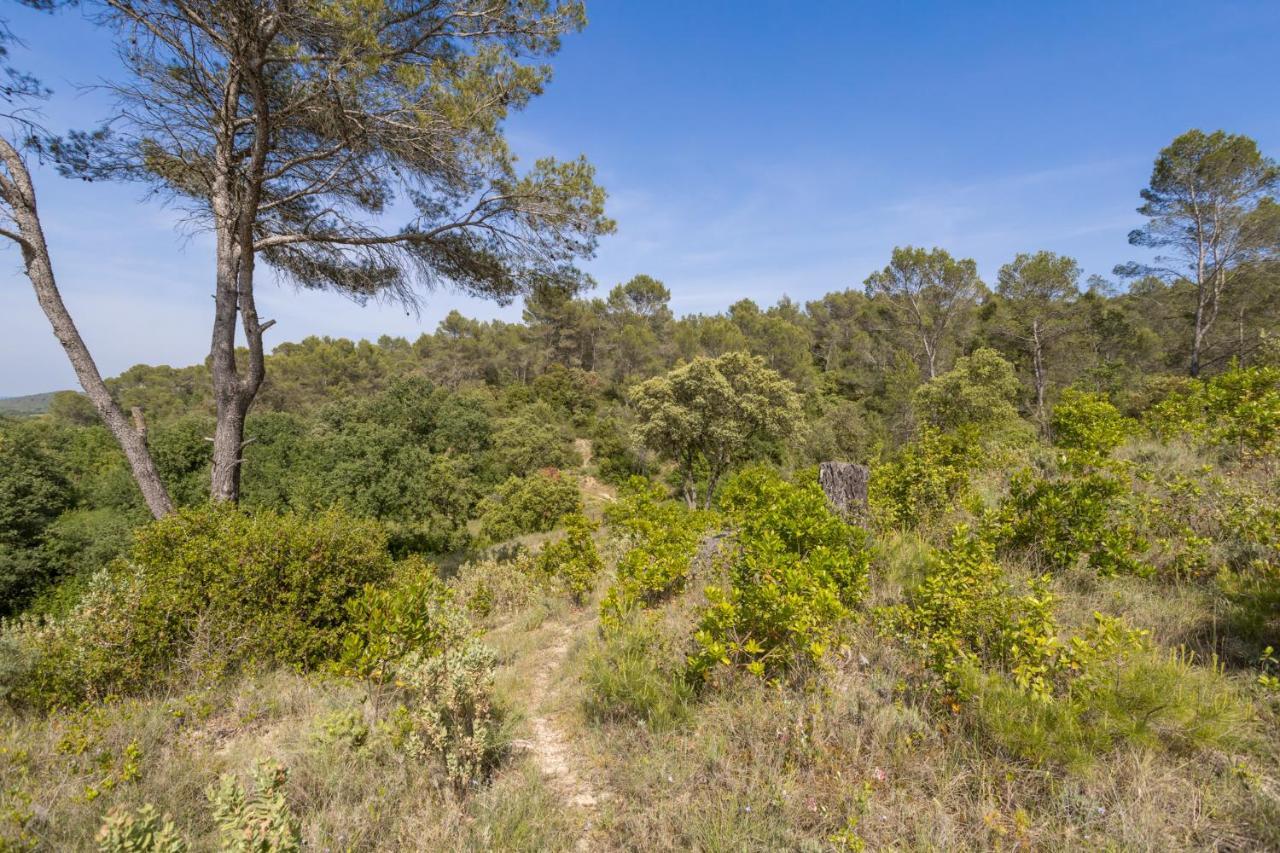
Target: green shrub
924, 478
1088, 427
532, 504
797, 571
208, 589
257, 820
1127, 694
452, 711
412, 613
965, 613
144, 831
662, 536
281, 583
1237, 410
573, 560
979, 391
1060, 520
530, 441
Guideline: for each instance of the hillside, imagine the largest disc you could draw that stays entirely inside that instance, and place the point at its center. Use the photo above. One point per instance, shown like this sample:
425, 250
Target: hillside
31, 404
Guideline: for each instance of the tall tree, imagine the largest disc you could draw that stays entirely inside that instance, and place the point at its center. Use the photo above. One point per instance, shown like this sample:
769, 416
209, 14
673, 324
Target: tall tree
20, 216
1209, 202
931, 295
1038, 293
709, 413
291, 129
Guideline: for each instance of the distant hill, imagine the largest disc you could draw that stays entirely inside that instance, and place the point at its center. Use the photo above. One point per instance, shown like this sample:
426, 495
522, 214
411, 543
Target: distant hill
32, 404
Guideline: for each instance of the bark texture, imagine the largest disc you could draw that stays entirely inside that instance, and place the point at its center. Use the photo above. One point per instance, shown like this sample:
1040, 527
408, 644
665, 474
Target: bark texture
845, 485
18, 194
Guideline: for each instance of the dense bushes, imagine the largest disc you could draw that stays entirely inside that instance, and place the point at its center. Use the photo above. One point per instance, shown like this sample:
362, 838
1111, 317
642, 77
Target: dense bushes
797, 570
1002, 659
661, 538
532, 504
572, 560
1237, 411
209, 588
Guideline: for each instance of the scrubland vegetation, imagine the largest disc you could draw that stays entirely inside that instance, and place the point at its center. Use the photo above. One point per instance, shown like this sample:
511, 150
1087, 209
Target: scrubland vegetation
1058, 635
572, 582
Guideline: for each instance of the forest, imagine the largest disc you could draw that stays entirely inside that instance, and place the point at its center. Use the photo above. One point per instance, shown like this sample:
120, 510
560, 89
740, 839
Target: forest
572, 582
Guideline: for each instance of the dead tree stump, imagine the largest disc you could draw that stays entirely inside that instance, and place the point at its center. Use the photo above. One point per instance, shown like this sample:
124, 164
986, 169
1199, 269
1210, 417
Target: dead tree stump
845, 485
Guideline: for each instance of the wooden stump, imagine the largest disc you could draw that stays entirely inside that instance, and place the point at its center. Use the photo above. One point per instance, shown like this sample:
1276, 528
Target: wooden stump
845, 485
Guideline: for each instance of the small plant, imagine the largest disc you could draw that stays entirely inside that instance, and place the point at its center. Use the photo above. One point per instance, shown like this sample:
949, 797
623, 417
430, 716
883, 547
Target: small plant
143, 831
1087, 427
257, 820
414, 613
452, 711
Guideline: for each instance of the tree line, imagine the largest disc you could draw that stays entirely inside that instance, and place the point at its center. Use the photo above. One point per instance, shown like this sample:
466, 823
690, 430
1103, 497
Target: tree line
290, 131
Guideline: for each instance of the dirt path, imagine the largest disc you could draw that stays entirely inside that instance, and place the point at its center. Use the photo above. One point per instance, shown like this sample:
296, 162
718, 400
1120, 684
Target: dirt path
550, 744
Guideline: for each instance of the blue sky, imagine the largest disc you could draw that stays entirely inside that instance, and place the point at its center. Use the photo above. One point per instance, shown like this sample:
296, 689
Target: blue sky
749, 150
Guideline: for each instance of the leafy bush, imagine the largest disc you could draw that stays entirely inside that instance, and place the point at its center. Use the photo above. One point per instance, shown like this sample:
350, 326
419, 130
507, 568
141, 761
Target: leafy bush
144, 831
413, 613
797, 572
207, 588
1001, 657
530, 441
256, 820
1061, 520
1088, 427
532, 504
978, 392
573, 560
662, 536
964, 613
924, 478
452, 711
1237, 410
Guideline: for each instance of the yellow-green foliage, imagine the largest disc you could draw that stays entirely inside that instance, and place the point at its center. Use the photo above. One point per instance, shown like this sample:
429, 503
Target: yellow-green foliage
257, 819
144, 831
1060, 520
1032, 694
1087, 427
978, 392
412, 613
924, 478
253, 820
573, 560
965, 612
1237, 410
797, 572
209, 588
663, 537
451, 713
